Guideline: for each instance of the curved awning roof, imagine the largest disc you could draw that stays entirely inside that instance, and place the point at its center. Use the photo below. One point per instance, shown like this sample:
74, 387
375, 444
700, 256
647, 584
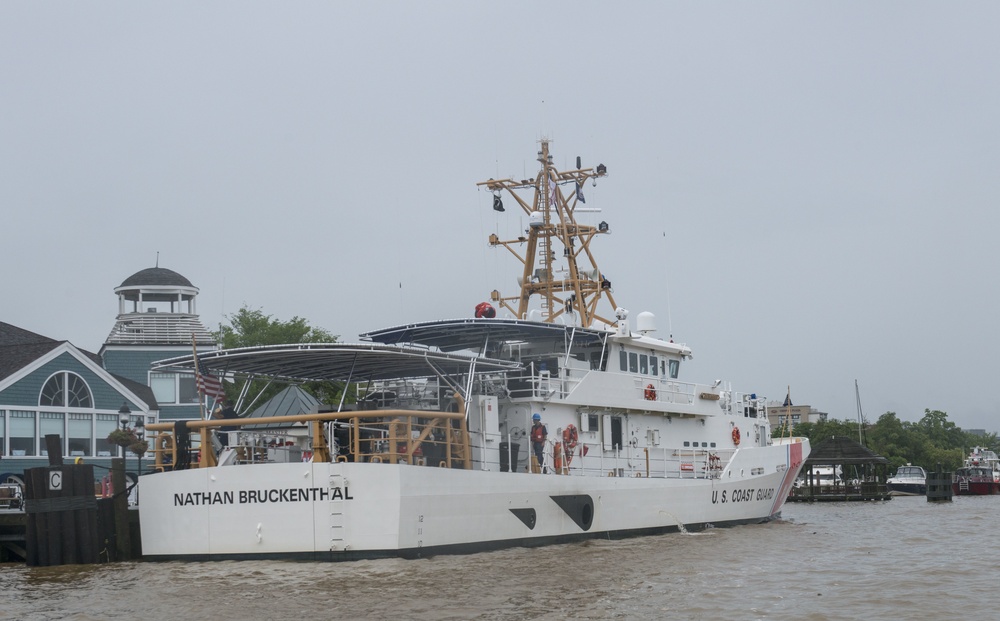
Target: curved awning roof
475, 334
336, 362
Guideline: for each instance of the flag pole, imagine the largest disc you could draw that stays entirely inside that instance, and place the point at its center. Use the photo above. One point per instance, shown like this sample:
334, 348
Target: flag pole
788, 412
198, 384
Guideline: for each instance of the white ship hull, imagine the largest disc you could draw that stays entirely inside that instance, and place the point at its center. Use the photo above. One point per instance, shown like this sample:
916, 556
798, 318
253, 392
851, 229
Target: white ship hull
340, 511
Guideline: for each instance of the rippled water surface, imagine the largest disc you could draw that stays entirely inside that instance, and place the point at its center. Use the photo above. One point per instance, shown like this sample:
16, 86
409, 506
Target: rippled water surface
903, 559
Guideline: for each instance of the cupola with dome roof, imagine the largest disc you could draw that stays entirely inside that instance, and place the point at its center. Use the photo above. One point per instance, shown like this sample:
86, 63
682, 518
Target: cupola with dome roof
157, 319
157, 306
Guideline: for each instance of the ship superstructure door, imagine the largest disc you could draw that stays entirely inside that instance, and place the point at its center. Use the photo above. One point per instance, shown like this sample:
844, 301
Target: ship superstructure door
612, 432
484, 432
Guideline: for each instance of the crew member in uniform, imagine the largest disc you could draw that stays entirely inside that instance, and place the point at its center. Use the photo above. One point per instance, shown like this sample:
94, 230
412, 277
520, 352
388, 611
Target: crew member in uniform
538, 435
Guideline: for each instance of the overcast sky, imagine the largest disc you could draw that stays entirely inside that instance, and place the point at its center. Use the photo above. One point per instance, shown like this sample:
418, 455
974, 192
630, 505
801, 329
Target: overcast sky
804, 192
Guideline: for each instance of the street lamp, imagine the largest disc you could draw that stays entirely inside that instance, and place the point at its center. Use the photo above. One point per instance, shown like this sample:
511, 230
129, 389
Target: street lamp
124, 414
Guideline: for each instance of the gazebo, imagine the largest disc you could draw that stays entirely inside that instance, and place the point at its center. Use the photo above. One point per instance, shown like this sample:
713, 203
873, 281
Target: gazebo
840, 469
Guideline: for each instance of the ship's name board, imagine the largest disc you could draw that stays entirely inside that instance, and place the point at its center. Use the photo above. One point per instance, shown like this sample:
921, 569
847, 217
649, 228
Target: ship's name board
262, 496
742, 495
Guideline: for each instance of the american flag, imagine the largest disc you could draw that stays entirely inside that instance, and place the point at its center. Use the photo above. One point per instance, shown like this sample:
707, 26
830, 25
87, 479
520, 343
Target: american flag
207, 383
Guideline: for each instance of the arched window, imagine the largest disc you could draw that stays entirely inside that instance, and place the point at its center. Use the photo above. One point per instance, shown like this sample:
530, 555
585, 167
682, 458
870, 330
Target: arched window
66, 390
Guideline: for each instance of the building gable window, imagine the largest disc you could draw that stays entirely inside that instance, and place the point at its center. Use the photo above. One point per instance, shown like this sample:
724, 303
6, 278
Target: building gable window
66, 390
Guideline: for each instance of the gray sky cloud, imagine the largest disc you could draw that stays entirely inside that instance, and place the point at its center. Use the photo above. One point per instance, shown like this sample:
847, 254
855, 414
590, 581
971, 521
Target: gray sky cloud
805, 193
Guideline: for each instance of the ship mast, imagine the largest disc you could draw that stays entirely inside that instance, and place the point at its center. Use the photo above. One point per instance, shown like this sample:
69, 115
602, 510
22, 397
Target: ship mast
576, 289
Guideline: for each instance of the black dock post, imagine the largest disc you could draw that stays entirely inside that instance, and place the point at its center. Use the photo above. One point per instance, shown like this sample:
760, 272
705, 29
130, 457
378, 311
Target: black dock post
60, 510
123, 539
939, 487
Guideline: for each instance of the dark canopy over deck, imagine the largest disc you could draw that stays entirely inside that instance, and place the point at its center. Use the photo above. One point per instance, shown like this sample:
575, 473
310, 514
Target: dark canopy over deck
479, 334
342, 362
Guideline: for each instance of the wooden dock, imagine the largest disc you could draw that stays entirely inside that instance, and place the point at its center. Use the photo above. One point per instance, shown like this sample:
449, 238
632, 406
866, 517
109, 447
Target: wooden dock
62, 520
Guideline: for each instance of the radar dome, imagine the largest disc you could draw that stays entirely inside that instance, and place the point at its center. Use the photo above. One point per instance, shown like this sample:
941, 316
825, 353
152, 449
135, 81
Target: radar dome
645, 322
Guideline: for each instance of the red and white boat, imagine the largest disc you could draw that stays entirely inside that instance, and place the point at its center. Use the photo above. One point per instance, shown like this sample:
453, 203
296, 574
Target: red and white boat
980, 476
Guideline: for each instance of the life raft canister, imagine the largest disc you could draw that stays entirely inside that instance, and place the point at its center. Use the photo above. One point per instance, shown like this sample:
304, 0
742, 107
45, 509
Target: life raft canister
736, 436
650, 393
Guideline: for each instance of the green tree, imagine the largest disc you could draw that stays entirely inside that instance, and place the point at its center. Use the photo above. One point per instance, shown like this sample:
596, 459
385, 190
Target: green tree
251, 327
929, 442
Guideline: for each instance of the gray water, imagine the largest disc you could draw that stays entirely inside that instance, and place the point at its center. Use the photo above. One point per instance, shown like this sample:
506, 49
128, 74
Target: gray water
902, 559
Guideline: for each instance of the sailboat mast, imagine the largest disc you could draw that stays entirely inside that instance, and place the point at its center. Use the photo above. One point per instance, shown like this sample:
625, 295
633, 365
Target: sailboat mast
861, 416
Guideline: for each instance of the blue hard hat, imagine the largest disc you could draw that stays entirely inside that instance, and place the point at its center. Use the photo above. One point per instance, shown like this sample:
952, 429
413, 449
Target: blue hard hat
536, 417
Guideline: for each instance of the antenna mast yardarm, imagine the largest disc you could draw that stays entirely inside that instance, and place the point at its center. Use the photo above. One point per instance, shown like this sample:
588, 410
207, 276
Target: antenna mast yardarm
552, 222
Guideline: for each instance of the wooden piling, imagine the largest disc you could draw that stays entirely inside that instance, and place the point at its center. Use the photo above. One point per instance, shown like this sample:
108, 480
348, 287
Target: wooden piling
123, 540
60, 509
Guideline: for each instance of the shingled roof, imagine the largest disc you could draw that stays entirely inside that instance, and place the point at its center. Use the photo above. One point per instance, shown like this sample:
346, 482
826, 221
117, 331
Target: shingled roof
156, 276
19, 347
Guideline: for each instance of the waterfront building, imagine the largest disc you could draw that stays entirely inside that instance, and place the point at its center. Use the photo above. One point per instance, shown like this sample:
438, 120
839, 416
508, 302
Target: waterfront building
778, 413
53, 387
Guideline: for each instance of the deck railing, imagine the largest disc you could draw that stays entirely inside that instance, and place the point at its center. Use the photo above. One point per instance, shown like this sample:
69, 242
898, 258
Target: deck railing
416, 437
589, 459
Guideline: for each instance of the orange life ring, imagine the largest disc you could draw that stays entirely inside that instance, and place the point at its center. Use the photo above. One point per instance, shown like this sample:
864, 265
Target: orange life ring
570, 437
650, 392
736, 436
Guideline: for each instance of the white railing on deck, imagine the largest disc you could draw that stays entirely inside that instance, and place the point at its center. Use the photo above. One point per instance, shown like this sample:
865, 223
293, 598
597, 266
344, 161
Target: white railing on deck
546, 384
630, 461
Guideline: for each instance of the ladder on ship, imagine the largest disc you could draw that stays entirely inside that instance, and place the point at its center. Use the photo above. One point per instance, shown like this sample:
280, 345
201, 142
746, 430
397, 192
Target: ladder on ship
544, 250
337, 486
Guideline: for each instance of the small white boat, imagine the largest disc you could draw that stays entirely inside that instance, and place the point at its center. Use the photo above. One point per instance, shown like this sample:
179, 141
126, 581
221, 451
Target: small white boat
909, 480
